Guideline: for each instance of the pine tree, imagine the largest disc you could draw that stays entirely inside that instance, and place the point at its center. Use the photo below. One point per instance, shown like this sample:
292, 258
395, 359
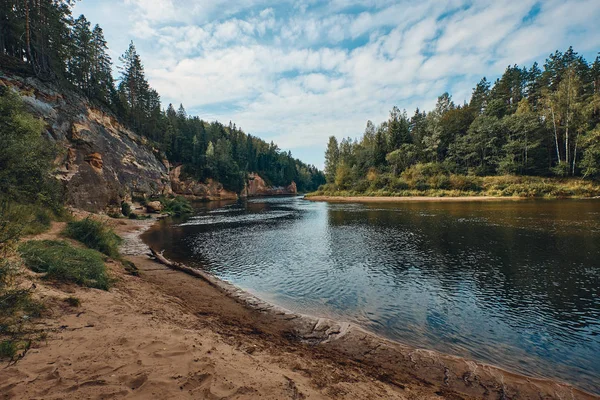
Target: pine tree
82, 54
102, 86
332, 155
134, 87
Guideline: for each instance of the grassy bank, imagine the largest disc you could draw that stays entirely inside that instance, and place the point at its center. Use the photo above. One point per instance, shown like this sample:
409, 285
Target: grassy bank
387, 185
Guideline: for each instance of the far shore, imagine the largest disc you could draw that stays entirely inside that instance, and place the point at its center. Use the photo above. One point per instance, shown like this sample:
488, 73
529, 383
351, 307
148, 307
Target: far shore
399, 199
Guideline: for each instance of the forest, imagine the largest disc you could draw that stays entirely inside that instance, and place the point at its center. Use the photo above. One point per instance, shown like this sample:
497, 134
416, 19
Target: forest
42, 38
529, 122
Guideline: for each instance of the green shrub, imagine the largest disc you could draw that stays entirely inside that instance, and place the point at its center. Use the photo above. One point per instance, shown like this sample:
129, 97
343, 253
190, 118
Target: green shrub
399, 184
176, 206
381, 181
362, 185
62, 262
439, 182
131, 268
465, 183
73, 301
95, 235
8, 349
126, 209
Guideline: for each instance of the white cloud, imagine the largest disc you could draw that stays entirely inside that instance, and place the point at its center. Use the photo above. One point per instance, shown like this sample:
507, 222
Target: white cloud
299, 71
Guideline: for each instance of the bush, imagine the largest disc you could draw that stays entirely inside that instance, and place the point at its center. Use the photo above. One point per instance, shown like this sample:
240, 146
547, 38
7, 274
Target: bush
126, 209
399, 184
73, 301
176, 206
381, 181
439, 182
362, 185
465, 183
62, 262
8, 349
131, 268
26, 158
95, 235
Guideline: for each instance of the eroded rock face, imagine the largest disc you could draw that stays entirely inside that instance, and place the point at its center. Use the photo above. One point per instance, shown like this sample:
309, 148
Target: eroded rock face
154, 207
211, 190
257, 187
103, 163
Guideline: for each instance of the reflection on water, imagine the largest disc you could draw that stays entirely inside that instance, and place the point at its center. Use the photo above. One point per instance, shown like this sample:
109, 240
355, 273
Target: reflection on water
511, 283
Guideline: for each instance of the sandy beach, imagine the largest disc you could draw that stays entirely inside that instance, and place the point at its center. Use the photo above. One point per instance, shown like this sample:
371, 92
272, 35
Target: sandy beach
169, 334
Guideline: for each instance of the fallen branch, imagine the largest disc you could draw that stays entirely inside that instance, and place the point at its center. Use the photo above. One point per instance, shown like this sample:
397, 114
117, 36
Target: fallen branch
180, 267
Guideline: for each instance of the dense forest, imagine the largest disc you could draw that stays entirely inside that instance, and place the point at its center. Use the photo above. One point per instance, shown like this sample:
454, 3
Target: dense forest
42, 37
529, 122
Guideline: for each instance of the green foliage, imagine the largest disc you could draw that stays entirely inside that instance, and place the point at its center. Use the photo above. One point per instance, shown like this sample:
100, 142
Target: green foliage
423, 181
126, 209
590, 164
8, 349
62, 262
130, 268
73, 301
529, 123
94, 234
176, 206
25, 156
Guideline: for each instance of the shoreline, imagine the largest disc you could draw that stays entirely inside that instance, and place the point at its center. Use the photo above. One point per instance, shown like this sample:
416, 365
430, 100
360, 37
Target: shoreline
168, 334
448, 373
398, 199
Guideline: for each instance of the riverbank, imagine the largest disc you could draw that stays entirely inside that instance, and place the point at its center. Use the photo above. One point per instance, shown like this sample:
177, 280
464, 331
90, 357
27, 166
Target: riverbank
424, 186
166, 334
397, 199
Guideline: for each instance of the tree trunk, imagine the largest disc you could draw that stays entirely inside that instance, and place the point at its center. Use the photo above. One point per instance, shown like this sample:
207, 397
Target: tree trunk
575, 154
567, 149
27, 32
555, 134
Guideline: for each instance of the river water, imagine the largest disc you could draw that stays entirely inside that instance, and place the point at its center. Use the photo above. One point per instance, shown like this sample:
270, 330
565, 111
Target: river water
512, 283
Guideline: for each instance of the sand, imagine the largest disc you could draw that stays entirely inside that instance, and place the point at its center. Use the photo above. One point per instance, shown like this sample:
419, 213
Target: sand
168, 334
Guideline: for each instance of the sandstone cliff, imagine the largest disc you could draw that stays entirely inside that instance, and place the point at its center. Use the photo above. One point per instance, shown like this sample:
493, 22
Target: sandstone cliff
256, 187
103, 163
193, 189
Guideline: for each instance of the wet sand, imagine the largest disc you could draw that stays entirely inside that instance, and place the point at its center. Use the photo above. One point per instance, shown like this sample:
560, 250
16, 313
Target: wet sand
169, 334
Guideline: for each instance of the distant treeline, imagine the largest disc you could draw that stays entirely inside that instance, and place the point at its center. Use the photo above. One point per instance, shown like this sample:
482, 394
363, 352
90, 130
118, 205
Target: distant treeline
529, 122
42, 37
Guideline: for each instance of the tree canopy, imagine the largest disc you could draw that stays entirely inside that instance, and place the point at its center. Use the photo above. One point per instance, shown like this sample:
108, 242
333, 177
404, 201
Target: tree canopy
529, 122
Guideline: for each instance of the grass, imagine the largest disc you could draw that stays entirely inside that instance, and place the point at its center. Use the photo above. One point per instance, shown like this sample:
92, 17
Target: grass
62, 262
442, 185
130, 268
95, 235
73, 301
17, 310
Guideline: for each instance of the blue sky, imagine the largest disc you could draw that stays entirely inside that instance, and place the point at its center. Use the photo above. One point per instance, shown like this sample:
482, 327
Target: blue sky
296, 72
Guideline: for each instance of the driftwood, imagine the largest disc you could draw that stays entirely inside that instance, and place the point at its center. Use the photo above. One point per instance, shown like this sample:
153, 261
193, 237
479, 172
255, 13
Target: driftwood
180, 267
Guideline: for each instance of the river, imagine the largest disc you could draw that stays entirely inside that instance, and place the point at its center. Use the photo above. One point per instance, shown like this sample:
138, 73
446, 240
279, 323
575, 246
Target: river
512, 283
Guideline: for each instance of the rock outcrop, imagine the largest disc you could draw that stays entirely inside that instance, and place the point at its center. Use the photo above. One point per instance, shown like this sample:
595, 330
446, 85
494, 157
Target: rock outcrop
154, 207
257, 187
209, 191
103, 163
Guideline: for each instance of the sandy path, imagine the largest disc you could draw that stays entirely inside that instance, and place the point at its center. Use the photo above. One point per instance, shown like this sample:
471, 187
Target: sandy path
166, 334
